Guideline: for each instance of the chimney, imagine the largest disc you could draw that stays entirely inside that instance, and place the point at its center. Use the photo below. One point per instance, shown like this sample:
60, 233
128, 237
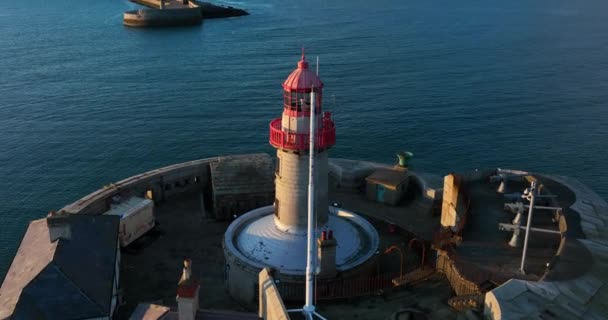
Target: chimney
327, 255
59, 226
187, 293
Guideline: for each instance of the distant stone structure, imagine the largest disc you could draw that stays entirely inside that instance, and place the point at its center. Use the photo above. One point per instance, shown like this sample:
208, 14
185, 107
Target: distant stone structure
162, 18
176, 13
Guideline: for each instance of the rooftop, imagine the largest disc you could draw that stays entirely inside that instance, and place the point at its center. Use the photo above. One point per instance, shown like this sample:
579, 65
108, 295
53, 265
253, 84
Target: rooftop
302, 79
63, 267
390, 178
126, 207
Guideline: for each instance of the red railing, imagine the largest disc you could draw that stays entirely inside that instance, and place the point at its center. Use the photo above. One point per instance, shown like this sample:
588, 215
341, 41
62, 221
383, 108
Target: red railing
339, 288
326, 135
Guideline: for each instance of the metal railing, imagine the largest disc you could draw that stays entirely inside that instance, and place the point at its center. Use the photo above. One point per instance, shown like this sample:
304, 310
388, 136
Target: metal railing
326, 135
339, 289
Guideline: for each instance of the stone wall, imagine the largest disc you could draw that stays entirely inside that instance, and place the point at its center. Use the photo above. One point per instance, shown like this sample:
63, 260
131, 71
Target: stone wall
166, 17
271, 305
162, 184
453, 205
292, 188
241, 184
460, 284
455, 200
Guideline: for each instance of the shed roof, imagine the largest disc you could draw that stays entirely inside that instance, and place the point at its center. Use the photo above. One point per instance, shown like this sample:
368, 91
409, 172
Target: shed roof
389, 178
63, 268
128, 206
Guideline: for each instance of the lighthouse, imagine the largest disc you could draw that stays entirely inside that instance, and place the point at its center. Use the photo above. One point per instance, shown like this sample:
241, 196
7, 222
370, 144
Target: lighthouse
290, 135
276, 236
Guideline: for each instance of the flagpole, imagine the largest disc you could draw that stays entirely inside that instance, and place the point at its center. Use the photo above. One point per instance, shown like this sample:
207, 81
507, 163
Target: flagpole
309, 307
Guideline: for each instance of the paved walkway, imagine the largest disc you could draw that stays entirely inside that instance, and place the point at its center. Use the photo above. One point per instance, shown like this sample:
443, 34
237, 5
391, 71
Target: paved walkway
413, 214
151, 272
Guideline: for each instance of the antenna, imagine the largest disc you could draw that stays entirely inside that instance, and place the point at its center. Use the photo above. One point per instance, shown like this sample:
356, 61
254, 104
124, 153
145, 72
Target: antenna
317, 66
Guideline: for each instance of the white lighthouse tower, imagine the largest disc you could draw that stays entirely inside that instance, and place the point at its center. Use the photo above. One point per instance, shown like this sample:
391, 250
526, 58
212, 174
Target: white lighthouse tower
290, 136
276, 236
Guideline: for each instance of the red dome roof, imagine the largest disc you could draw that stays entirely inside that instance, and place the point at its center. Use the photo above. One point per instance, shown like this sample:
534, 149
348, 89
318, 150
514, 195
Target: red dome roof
302, 78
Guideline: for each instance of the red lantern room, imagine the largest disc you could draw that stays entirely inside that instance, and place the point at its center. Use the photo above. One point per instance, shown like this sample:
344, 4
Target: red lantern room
291, 130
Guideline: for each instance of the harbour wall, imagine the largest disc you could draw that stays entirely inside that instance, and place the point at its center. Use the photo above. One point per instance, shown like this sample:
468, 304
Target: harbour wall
166, 17
161, 184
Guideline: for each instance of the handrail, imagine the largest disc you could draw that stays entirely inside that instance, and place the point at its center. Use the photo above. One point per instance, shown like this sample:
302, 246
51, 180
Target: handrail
326, 135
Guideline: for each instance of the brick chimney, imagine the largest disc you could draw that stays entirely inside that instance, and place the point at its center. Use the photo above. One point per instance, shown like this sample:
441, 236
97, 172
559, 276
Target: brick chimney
327, 255
187, 293
59, 226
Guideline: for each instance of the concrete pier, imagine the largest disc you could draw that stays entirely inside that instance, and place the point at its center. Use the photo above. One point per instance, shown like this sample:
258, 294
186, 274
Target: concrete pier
166, 4
163, 13
176, 13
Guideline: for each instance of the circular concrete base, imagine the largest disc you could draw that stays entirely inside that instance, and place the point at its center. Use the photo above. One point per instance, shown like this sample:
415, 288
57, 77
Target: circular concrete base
253, 242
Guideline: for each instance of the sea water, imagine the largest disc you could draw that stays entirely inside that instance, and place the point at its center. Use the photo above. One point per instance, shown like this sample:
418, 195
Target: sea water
85, 101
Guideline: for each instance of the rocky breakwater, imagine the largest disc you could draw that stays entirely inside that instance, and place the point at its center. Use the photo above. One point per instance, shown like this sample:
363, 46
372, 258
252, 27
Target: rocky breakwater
213, 11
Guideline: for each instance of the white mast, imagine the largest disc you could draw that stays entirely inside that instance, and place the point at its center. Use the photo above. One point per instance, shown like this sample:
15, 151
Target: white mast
309, 307
530, 196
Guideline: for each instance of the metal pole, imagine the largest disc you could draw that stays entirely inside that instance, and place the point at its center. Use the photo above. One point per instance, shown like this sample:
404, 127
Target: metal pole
528, 224
309, 307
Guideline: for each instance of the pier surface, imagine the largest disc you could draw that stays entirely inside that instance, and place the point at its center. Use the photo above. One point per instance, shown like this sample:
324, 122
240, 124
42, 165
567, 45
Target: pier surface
208, 9
169, 4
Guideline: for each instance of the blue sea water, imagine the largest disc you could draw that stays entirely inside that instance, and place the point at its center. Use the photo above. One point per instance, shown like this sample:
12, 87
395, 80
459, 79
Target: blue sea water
85, 101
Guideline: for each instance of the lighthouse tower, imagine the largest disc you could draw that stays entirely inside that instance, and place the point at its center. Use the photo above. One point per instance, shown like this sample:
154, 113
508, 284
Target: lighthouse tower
276, 236
289, 134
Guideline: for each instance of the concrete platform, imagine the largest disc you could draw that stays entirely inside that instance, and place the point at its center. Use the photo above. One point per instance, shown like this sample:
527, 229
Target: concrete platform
484, 254
575, 286
151, 271
414, 214
484, 251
